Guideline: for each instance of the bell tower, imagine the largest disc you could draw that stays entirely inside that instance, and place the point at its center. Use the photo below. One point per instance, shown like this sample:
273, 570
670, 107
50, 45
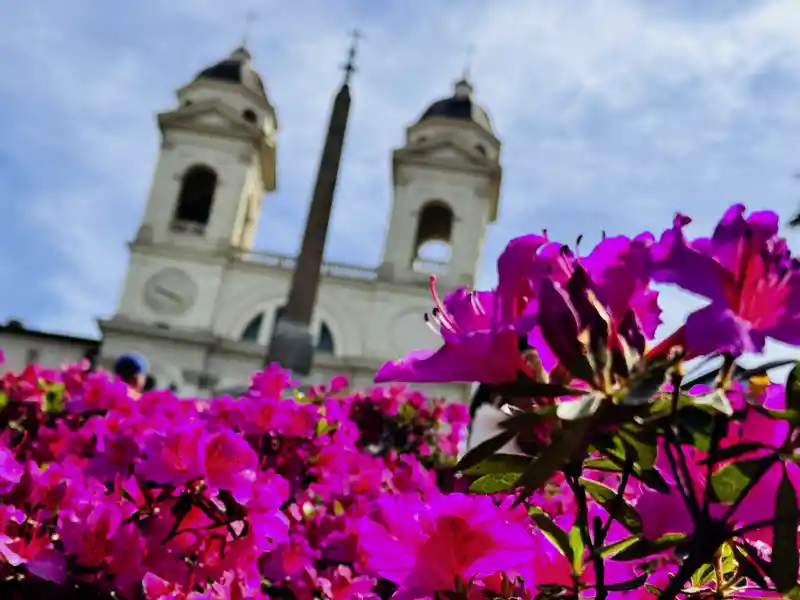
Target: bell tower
217, 160
446, 192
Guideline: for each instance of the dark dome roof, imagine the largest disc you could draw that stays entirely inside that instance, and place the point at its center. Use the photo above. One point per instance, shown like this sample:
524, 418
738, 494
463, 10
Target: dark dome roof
236, 69
459, 106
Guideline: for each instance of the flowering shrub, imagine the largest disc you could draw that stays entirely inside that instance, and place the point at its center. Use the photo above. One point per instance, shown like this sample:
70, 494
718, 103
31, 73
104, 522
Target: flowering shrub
598, 467
105, 496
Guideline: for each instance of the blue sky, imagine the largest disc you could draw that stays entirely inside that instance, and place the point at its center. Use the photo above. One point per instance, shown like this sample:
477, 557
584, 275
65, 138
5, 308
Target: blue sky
614, 115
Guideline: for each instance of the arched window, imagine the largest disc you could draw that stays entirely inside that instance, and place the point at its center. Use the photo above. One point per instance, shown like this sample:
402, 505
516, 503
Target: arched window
325, 343
253, 329
197, 195
432, 244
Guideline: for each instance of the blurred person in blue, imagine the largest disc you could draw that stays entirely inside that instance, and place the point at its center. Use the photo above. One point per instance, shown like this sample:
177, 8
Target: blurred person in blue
132, 370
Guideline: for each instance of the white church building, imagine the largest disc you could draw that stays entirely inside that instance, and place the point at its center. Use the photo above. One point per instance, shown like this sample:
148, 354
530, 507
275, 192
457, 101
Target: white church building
199, 300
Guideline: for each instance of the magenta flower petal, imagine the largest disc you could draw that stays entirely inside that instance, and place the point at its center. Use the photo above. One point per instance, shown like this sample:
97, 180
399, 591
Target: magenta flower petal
734, 233
676, 262
485, 356
717, 327
514, 268
559, 323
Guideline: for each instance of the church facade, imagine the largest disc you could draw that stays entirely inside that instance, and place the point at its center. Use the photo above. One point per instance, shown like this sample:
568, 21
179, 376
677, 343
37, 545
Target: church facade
200, 301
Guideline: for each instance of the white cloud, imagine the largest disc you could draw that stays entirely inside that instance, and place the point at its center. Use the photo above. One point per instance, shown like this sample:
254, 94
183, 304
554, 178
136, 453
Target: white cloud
614, 114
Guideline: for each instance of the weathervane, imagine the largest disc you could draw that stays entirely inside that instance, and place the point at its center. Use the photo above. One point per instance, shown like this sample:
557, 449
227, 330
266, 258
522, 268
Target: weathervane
249, 19
349, 67
469, 54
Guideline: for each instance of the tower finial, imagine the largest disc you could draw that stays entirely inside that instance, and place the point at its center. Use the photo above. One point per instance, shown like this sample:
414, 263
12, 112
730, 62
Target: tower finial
468, 56
349, 67
249, 19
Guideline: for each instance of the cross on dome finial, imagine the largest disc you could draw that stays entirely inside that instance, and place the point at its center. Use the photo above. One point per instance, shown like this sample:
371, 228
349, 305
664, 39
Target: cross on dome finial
469, 55
349, 67
249, 19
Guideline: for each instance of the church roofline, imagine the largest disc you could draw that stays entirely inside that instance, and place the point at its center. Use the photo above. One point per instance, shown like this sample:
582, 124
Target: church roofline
446, 121
262, 101
15, 327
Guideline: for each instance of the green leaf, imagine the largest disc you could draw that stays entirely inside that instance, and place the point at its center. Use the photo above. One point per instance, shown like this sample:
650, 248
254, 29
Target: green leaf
662, 407
618, 546
577, 548
652, 479
793, 594
521, 421
406, 412
581, 408
644, 548
554, 533
321, 428
695, 427
500, 463
643, 442
643, 387
654, 590
3, 400
493, 483
54, 398
703, 575
749, 568
785, 557
603, 464
616, 506
527, 388
717, 401
793, 389
732, 480
734, 451
616, 454
554, 456
626, 586
484, 450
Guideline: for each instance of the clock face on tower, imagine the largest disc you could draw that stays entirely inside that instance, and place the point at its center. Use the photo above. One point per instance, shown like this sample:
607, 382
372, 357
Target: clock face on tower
170, 292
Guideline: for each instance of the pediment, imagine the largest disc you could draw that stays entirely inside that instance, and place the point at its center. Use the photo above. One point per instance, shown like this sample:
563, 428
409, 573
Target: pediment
209, 115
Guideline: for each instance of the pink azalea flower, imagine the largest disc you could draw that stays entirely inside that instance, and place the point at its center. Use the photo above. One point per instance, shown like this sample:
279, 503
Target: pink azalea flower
268, 525
230, 464
33, 551
289, 559
116, 454
746, 272
759, 504
343, 585
426, 548
476, 346
175, 457
88, 531
11, 470
156, 588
